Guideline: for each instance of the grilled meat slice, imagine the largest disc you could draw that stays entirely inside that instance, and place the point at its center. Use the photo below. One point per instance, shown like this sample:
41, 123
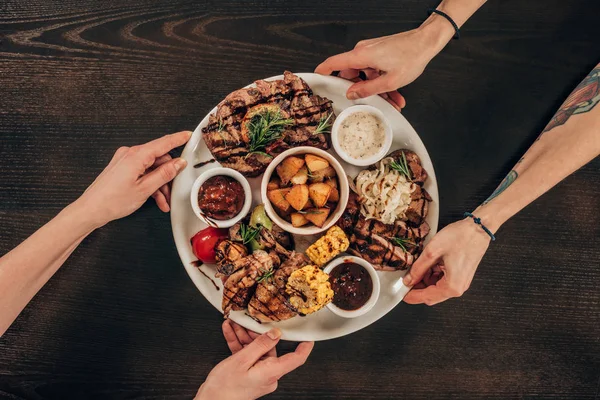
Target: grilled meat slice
275, 238
268, 242
294, 262
419, 206
248, 165
418, 173
381, 253
227, 252
416, 234
240, 285
270, 302
282, 237
350, 214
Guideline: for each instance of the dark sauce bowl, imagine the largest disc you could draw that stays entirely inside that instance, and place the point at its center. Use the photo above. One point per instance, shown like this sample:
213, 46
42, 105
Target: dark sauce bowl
371, 300
227, 172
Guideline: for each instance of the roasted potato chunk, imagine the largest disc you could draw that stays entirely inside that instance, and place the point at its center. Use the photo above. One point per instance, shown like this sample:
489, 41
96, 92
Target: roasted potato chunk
315, 163
288, 168
277, 198
301, 176
319, 193
273, 184
298, 220
317, 216
298, 196
321, 175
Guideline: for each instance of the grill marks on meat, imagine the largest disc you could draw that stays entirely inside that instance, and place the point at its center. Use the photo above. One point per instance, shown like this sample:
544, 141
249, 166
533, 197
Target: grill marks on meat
241, 284
270, 302
374, 241
227, 252
228, 144
419, 206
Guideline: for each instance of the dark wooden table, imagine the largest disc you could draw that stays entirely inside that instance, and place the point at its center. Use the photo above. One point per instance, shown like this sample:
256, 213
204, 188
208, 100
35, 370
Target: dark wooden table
122, 319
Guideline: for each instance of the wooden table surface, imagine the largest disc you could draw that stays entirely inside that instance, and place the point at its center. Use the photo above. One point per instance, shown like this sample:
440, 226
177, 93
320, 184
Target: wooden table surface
122, 319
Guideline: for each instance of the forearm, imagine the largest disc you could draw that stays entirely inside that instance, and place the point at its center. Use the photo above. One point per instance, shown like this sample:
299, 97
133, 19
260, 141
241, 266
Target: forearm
571, 140
25, 269
438, 29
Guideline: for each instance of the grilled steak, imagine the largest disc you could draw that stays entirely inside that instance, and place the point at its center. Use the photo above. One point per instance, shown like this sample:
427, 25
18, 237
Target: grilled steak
240, 285
375, 241
270, 302
226, 134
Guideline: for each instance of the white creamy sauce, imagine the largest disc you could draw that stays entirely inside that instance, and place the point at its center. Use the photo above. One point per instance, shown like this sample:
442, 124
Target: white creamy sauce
361, 135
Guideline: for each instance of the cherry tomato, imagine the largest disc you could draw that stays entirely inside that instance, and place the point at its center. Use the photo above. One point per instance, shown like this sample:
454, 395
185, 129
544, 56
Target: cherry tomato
204, 242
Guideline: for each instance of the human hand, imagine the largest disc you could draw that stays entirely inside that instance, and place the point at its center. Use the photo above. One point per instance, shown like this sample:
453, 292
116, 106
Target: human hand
132, 176
254, 368
389, 62
448, 263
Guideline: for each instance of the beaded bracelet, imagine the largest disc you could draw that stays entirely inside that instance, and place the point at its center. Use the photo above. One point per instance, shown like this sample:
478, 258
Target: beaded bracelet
443, 14
478, 222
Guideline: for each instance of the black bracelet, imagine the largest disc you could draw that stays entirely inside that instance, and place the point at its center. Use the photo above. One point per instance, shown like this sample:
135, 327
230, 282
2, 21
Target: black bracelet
478, 222
443, 14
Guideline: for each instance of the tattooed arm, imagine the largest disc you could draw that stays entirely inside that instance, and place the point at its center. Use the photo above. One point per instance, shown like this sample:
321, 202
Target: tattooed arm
571, 140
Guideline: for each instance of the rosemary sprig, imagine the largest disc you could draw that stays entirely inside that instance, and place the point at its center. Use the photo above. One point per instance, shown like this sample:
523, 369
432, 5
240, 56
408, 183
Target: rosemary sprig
264, 128
310, 212
402, 167
324, 126
402, 242
248, 233
266, 274
221, 126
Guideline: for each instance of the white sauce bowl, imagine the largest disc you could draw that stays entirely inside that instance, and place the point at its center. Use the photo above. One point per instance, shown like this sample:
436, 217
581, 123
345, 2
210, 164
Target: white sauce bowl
225, 172
362, 161
374, 295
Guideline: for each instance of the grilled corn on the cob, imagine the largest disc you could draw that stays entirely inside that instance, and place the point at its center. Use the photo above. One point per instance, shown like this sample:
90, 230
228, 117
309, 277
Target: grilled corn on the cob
327, 247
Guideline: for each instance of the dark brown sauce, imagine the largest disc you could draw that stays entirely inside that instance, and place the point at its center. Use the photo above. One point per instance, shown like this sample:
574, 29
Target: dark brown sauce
203, 163
198, 264
352, 286
221, 197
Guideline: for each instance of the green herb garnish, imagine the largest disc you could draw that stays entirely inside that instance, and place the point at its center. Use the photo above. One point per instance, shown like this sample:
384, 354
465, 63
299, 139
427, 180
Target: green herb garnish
248, 233
266, 274
264, 128
402, 167
310, 212
324, 126
402, 242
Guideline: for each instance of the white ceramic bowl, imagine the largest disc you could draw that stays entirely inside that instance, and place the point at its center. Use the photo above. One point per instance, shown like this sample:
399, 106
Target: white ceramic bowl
225, 172
364, 161
333, 216
376, 287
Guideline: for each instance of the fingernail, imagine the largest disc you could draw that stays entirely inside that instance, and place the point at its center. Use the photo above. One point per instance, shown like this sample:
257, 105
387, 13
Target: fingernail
408, 279
274, 333
180, 164
353, 96
189, 134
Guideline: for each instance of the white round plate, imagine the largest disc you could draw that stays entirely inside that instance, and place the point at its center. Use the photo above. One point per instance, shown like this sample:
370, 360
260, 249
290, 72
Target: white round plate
323, 324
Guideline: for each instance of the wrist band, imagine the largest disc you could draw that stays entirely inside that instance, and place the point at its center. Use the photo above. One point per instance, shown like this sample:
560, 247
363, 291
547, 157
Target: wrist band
443, 14
478, 222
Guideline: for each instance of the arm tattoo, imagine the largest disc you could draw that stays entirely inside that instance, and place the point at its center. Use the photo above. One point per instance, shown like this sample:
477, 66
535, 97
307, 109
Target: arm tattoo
506, 182
585, 96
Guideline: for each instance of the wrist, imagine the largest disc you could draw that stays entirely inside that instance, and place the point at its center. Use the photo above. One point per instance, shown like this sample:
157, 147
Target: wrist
491, 216
437, 32
83, 216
